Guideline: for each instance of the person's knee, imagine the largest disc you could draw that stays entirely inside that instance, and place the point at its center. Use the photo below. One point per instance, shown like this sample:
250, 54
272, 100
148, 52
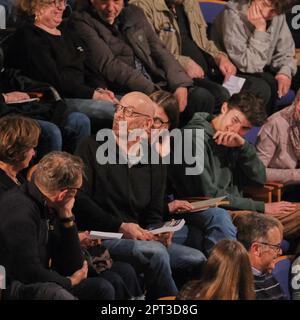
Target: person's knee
101, 289
52, 291
79, 123
158, 253
52, 134
222, 219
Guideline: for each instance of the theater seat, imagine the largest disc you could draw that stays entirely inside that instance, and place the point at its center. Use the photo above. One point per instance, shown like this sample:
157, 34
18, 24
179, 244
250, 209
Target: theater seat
251, 135
282, 271
285, 100
211, 9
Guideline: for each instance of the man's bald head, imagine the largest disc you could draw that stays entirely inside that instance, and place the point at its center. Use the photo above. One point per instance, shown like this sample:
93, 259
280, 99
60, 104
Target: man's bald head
139, 102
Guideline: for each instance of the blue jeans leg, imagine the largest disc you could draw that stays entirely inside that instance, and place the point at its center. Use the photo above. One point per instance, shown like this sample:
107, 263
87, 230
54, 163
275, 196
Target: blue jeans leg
92, 108
76, 127
51, 138
186, 260
150, 257
212, 225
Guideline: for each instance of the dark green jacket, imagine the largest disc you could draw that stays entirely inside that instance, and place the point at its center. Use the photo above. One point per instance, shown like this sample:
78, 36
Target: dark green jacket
225, 170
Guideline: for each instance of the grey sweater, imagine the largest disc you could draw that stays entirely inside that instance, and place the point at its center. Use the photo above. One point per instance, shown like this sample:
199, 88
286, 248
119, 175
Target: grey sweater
252, 50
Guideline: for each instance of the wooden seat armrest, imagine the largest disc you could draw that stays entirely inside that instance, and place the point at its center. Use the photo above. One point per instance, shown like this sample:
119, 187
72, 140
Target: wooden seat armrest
274, 184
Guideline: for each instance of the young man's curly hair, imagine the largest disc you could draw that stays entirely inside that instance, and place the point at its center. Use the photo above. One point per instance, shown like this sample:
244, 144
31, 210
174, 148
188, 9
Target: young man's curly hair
250, 105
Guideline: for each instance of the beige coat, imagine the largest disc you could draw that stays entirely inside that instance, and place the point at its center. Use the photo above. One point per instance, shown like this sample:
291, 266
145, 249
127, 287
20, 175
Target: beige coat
276, 151
166, 26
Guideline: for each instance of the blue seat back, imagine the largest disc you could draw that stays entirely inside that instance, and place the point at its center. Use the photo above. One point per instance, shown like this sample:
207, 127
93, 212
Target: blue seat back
281, 272
210, 9
251, 135
285, 100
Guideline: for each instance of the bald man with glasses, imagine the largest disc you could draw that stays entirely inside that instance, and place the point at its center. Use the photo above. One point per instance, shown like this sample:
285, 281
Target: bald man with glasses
132, 193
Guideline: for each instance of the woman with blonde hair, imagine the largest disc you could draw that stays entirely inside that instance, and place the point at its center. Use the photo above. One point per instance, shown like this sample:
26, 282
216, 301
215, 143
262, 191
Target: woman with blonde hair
227, 275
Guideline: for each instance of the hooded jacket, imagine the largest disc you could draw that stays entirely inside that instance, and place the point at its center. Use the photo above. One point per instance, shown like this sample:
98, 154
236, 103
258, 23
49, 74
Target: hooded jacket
252, 50
224, 169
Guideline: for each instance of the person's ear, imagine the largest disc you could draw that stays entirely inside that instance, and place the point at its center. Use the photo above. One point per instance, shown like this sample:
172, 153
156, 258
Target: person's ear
224, 108
148, 125
255, 249
61, 195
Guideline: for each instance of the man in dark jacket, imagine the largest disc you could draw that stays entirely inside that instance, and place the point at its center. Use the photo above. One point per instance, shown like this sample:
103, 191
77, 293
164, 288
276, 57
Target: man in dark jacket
122, 45
37, 225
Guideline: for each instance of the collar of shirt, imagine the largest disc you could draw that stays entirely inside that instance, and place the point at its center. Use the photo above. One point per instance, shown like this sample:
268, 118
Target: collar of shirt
256, 272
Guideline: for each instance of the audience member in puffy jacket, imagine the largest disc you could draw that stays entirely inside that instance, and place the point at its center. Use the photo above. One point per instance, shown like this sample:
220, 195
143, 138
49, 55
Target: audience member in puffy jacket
122, 45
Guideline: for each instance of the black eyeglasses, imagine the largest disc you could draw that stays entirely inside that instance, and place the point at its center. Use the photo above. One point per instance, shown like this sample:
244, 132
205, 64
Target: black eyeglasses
275, 247
129, 111
158, 123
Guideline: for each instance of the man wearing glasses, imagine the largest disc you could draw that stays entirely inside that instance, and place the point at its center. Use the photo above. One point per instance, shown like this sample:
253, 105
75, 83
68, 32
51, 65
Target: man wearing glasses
262, 235
131, 192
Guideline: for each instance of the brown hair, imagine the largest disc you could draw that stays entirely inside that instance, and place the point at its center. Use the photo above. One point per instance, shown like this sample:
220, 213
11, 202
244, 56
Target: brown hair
250, 105
168, 102
283, 6
58, 170
17, 136
227, 275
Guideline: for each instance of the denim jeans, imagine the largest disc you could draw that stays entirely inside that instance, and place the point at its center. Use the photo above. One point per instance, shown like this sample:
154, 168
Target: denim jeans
149, 257
158, 262
92, 108
204, 229
76, 127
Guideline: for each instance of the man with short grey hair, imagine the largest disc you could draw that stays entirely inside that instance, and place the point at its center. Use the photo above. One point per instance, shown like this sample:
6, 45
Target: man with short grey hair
37, 225
262, 235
